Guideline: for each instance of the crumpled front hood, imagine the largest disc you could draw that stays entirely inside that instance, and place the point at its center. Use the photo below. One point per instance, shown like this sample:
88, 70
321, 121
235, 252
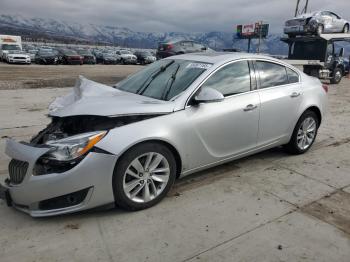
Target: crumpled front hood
91, 98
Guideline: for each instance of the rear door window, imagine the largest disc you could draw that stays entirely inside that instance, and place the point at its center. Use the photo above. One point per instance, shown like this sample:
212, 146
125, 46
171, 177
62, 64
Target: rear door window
271, 74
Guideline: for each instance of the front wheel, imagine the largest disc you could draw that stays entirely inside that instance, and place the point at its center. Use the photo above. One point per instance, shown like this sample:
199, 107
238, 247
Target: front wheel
143, 176
337, 76
346, 29
304, 133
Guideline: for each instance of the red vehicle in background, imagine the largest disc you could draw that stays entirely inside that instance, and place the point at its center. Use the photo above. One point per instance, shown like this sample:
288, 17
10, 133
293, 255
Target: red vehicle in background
70, 57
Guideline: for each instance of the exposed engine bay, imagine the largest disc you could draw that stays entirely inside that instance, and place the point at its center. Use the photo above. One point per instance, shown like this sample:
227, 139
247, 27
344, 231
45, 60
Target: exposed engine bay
62, 127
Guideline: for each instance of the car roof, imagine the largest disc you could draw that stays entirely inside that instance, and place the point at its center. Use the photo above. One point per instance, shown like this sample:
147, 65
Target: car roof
220, 57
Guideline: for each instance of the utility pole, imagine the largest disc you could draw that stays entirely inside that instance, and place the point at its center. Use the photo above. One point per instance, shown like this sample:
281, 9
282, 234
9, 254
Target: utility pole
301, 9
260, 29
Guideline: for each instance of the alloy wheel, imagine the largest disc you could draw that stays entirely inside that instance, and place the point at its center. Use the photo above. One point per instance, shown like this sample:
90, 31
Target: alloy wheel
306, 133
146, 177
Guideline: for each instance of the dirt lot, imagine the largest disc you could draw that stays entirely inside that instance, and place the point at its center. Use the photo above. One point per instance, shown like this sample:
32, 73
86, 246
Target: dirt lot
39, 76
267, 207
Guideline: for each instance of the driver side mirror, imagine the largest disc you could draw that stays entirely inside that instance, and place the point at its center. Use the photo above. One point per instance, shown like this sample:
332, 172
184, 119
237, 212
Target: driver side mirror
208, 95
341, 52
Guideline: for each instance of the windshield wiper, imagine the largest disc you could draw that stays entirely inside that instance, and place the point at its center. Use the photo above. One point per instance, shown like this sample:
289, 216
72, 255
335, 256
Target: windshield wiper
172, 80
149, 80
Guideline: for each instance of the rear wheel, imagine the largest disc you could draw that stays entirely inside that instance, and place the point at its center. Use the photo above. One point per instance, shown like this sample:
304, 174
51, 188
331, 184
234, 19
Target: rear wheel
337, 76
304, 133
143, 176
346, 29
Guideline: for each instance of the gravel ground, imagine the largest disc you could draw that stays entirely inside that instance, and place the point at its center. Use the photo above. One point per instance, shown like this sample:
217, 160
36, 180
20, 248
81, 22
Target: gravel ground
41, 76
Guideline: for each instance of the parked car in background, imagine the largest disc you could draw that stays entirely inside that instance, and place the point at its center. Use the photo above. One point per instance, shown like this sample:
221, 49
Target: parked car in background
127, 57
316, 23
98, 55
145, 57
181, 47
46, 57
17, 57
32, 53
70, 57
127, 145
88, 57
110, 59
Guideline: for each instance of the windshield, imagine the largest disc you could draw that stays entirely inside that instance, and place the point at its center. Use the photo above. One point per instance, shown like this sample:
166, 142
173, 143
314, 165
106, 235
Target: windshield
84, 52
10, 47
164, 79
69, 52
45, 52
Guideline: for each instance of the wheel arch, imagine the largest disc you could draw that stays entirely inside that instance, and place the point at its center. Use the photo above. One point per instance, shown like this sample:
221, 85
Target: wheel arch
171, 147
317, 111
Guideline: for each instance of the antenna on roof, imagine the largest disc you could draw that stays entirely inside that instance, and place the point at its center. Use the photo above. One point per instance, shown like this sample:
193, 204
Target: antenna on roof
301, 7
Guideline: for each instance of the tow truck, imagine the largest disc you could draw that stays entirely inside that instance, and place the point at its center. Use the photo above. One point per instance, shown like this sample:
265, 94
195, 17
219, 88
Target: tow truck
318, 56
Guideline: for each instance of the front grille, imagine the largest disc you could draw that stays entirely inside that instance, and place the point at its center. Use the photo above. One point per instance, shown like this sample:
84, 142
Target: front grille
17, 171
20, 58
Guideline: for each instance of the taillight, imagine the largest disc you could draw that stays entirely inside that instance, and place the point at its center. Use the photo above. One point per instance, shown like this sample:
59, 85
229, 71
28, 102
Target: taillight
325, 87
169, 47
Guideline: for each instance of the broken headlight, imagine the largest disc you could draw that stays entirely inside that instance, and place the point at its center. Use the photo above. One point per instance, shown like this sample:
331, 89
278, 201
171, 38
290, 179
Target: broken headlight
74, 146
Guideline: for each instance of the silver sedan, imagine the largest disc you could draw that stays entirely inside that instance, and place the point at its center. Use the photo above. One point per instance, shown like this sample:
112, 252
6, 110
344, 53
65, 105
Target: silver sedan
318, 23
127, 145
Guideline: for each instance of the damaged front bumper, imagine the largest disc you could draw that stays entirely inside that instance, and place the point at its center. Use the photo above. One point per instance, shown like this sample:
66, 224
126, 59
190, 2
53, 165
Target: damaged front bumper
86, 185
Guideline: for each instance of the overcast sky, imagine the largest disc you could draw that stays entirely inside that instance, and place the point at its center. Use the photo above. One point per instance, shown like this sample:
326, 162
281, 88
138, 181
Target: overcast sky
169, 15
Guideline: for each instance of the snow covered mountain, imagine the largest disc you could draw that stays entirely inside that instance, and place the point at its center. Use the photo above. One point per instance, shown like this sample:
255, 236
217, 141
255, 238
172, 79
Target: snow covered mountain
53, 29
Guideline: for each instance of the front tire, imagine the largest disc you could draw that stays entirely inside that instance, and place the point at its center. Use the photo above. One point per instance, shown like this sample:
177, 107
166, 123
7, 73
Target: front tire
346, 29
143, 176
304, 133
337, 76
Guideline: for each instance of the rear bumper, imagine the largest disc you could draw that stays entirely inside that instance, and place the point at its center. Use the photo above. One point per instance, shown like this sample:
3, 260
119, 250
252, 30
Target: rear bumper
93, 174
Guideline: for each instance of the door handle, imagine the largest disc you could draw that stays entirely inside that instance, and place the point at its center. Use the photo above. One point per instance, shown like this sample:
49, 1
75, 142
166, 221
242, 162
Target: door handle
294, 94
250, 107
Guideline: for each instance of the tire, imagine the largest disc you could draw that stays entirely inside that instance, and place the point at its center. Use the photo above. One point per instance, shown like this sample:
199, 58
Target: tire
346, 29
293, 147
337, 76
319, 30
135, 199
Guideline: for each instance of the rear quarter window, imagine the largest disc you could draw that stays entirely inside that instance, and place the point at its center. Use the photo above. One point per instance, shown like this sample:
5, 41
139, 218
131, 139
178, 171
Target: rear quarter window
293, 77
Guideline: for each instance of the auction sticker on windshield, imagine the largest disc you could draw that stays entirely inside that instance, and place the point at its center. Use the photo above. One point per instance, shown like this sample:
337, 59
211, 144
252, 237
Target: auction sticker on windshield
199, 65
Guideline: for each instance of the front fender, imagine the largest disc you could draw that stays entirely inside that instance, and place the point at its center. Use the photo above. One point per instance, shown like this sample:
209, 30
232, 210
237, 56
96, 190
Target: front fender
174, 129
